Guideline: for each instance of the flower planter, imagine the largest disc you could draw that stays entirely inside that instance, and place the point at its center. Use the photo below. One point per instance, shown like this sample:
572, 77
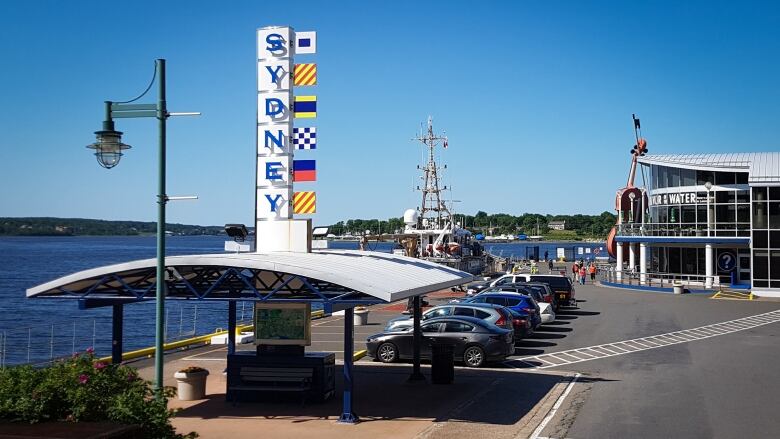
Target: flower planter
191, 385
361, 317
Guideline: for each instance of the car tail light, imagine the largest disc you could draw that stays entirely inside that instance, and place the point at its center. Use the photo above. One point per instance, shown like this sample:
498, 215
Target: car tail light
548, 299
501, 321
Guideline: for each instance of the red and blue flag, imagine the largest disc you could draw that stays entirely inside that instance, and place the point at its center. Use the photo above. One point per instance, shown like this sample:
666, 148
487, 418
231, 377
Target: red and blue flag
304, 170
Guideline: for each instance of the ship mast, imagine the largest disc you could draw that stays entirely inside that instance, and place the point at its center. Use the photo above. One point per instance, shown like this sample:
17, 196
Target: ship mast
433, 211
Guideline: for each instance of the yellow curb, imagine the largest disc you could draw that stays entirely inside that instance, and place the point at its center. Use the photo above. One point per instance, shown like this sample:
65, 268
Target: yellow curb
359, 354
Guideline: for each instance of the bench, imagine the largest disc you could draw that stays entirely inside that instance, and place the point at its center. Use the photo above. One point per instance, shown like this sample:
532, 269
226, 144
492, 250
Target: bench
273, 379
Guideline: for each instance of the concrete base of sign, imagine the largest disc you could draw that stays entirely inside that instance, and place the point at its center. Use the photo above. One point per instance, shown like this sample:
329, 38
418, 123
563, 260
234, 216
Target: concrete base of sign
293, 235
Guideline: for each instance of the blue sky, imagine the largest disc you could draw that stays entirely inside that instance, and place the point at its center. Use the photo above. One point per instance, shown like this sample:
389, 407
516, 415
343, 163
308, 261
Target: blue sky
536, 98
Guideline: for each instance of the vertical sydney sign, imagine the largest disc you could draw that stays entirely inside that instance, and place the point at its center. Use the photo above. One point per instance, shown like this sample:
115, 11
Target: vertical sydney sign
274, 123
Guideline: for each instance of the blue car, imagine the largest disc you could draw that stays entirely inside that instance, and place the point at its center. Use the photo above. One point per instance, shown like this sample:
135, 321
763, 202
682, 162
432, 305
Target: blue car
516, 302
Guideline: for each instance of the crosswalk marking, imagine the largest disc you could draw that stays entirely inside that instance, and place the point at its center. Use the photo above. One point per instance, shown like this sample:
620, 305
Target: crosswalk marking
579, 355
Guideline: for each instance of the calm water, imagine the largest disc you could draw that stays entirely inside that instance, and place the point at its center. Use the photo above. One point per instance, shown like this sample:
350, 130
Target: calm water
39, 329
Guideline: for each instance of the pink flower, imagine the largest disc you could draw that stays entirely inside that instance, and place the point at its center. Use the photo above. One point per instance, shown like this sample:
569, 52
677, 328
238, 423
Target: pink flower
90, 350
83, 379
100, 365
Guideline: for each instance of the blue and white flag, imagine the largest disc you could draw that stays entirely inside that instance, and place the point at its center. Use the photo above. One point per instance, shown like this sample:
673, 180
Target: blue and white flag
305, 138
305, 43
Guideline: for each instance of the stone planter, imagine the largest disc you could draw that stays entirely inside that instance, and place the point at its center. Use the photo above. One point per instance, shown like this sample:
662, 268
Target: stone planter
191, 385
361, 317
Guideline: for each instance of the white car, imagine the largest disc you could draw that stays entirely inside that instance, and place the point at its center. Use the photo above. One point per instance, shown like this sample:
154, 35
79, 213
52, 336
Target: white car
546, 310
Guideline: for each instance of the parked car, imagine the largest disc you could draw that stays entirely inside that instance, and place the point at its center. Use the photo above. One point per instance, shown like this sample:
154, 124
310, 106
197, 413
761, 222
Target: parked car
522, 325
534, 290
519, 302
561, 285
494, 314
548, 295
475, 341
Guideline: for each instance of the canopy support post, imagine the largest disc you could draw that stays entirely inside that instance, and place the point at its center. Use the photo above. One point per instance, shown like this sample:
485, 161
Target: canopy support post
117, 323
347, 415
416, 341
231, 338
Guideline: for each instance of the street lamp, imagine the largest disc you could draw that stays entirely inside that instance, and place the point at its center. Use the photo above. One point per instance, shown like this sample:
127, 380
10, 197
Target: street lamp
108, 150
708, 186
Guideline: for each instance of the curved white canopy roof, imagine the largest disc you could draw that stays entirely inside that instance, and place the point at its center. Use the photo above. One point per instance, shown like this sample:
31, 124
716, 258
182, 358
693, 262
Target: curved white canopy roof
763, 167
385, 276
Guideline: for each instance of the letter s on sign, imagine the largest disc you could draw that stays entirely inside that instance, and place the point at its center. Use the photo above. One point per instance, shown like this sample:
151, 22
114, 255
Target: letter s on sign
275, 43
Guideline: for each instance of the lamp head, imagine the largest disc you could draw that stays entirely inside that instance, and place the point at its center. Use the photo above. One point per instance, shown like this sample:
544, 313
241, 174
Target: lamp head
708, 185
108, 147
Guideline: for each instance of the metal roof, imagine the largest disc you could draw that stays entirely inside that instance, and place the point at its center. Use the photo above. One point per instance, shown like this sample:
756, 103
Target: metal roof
762, 167
324, 275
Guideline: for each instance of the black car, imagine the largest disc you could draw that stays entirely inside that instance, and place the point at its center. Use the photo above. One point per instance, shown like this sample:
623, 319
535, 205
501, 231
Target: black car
475, 341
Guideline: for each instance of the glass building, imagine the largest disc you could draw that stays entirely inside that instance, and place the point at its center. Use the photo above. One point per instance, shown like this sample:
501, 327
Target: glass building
707, 219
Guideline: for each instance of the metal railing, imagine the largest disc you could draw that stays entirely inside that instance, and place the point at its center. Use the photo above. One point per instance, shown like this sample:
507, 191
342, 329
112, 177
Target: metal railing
39, 345
656, 279
683, 229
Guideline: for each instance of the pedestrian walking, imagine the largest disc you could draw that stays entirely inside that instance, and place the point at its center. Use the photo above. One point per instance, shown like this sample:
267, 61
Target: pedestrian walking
546, 254
575, 271
592, 271
550, 265
582, 275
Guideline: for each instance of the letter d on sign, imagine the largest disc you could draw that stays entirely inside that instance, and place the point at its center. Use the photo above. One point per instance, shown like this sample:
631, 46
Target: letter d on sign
273, 107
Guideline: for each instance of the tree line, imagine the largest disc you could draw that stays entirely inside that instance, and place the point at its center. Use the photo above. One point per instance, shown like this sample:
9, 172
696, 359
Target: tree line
46, 226
578, 226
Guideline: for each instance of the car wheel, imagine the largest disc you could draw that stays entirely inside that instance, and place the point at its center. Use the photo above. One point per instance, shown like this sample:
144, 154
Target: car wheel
387, 353
474, 356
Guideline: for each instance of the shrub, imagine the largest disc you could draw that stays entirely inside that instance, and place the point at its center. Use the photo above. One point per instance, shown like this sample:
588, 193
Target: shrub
82, 389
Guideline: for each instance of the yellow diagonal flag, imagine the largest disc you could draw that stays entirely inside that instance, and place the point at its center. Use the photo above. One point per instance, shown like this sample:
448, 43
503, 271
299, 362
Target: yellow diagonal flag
305, 202
305, 74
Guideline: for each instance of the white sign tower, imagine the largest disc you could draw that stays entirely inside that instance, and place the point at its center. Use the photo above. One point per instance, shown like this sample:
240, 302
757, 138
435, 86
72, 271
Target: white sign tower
276, 230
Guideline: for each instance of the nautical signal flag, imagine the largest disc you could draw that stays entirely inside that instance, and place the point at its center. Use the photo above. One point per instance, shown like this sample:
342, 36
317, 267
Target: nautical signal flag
304, 202
305, 74
304, 170
305, 138
305, 106
305, 43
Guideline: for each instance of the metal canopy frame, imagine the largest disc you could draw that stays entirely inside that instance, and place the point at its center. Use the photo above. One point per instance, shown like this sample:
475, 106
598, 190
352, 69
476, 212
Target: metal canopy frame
266, 278
212, 283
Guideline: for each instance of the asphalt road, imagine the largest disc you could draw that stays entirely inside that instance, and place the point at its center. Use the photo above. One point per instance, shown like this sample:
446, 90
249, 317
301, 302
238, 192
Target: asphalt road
720, 387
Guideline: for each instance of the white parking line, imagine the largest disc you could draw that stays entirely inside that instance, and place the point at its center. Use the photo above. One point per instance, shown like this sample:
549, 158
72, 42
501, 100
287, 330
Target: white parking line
606, 350
555, 407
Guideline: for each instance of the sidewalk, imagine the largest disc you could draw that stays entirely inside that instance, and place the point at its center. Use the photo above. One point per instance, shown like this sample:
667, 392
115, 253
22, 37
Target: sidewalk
481, 402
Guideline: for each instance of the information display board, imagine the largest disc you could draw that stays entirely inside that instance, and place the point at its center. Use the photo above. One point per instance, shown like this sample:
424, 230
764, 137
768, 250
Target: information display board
283, 324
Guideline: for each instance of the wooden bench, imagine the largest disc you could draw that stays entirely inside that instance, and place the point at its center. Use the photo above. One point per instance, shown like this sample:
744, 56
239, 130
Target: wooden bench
273, 379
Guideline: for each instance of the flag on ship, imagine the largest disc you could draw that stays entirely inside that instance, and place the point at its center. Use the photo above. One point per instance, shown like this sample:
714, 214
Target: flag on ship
304, 170
305, 74
304, 202
305, 106
305, 138
305, 43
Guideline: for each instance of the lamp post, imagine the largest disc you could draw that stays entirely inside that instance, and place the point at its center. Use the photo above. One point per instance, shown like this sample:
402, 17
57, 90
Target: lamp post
708, 186
108, 150
708, 271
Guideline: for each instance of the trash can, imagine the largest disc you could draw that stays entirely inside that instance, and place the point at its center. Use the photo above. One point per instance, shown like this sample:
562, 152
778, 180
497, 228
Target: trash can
442, 363
678, 287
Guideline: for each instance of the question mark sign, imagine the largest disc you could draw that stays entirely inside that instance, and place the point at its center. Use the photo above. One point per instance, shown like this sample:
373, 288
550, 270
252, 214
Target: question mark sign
727, 260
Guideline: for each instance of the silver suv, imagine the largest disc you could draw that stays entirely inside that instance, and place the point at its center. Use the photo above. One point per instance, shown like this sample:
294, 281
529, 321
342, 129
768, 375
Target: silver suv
490, 313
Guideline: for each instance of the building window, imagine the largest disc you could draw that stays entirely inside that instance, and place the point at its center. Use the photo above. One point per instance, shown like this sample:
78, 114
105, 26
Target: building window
687, 177
723, 178
703, 177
